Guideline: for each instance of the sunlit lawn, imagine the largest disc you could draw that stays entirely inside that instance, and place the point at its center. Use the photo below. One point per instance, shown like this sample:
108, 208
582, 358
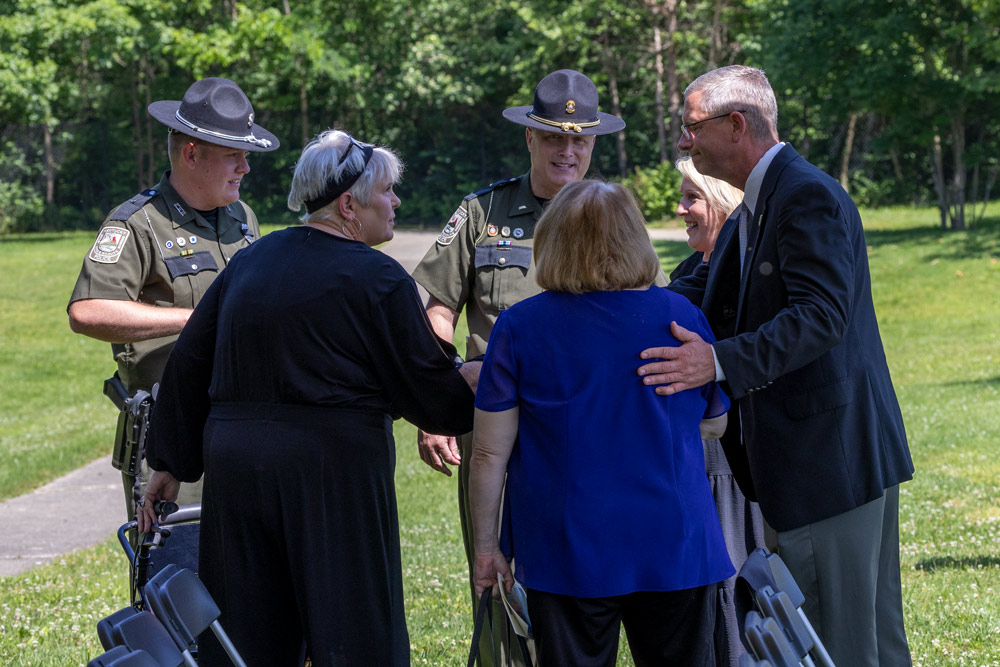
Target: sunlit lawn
939, 311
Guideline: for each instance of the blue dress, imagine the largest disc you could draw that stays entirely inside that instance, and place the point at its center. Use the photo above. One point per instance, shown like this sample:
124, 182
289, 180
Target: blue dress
606, 486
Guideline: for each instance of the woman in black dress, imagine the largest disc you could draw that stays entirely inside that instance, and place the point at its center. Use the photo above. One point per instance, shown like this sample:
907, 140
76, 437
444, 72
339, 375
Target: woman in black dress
283, 387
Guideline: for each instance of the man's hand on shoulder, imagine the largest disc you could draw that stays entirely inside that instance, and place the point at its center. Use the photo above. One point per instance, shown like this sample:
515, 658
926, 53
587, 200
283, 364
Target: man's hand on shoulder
686, 367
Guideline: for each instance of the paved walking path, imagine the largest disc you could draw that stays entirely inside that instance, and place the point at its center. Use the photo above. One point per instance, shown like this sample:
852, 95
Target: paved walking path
87, 505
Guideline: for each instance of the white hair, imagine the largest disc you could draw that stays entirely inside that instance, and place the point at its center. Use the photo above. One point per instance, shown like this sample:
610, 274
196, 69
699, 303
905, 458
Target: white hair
739, 88
321, 162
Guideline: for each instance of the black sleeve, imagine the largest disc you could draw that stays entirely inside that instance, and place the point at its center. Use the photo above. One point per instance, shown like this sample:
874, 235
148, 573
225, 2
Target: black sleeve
174, 442
419, 377
692, 286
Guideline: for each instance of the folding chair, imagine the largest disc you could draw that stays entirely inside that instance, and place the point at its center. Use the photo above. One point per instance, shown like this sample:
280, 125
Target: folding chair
142, 632
110, 654
768, 641
135, 659
106, 624
187, 609
765, 585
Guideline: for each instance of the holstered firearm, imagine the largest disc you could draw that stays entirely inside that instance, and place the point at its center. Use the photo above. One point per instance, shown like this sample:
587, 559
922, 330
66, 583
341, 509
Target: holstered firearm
133, 422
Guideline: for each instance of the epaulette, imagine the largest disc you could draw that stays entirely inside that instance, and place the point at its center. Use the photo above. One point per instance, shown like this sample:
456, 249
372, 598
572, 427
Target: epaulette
491, 187
129, 208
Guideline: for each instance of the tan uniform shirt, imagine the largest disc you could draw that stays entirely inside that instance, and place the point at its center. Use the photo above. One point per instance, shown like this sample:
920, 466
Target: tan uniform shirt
483, 260
157, 250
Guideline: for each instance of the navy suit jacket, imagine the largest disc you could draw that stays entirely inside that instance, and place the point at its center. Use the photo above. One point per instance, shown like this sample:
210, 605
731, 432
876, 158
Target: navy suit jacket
800, 347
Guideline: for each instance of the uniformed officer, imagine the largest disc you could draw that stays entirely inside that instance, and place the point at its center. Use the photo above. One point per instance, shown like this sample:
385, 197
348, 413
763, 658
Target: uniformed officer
157, 253
482, 261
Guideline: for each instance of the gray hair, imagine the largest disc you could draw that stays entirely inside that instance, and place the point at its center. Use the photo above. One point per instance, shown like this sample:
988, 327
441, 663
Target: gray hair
735, 88
719, 195
320, 163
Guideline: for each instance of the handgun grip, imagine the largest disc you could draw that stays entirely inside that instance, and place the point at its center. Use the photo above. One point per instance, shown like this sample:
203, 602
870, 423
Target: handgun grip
115, 390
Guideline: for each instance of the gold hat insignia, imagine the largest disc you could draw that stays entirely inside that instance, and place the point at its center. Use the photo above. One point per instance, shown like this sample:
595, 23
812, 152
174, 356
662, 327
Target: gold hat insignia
570, 106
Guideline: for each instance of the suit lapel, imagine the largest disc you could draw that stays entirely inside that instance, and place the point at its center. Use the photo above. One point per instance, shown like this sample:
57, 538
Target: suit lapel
758, 220
721, 289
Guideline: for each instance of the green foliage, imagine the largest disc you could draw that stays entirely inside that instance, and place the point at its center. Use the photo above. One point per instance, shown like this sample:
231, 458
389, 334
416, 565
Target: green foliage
20, 199
657, 190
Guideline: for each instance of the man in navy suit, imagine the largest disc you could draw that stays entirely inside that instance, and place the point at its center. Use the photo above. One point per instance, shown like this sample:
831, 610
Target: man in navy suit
817, 436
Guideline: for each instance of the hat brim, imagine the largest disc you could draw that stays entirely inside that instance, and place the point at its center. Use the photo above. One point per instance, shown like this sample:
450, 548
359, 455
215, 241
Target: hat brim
609, 124
165, 111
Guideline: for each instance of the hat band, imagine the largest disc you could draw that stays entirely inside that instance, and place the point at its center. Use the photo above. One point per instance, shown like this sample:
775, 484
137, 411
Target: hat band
567, 126
249, 138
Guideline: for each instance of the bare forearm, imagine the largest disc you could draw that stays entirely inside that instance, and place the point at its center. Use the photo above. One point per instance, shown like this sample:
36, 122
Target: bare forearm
443, 319
493, 442
116, 321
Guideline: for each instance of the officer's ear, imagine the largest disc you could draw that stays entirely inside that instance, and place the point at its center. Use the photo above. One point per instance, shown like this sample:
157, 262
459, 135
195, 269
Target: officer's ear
189, 154
527, 137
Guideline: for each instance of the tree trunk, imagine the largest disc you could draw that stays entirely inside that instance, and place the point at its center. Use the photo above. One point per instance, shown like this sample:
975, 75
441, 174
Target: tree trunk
673, 87
137, 130
150, 152
958, 156
937, 164
897, 168
661, 135
845, 160
50, 165
715, 47
304, 109
616, 107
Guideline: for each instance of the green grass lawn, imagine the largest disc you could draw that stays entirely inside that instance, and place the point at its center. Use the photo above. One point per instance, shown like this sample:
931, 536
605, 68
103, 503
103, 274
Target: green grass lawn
939, 311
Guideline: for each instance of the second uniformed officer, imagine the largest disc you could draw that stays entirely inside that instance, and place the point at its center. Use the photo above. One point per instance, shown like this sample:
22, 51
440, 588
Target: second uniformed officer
157, 253
482, 261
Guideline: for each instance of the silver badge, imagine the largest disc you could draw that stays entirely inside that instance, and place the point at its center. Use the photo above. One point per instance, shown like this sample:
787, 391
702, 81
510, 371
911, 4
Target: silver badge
181, 242
518, 232
505, 231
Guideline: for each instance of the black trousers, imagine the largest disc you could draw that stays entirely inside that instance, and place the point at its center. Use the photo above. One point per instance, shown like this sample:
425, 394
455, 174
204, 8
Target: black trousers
300, 538
664, 628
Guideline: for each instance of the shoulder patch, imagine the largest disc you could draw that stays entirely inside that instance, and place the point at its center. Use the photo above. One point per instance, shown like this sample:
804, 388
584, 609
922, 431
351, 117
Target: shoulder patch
109, 245
455, 223
129, 208
491, 187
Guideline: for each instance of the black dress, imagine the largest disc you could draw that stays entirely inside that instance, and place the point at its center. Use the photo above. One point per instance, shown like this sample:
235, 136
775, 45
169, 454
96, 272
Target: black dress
742, 523
282, 388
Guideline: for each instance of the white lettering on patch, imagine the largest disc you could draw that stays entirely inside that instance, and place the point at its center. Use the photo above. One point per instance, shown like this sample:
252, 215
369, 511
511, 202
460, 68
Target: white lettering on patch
109, 245
455, 223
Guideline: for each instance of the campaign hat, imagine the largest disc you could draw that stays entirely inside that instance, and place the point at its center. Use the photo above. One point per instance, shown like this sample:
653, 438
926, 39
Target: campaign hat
565, 101
217, 111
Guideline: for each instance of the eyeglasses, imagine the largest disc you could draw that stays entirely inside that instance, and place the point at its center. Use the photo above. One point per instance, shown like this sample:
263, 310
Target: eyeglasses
686, 129
350, 147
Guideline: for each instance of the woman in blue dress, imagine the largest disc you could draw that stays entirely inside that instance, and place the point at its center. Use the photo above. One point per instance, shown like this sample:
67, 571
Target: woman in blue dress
611, 517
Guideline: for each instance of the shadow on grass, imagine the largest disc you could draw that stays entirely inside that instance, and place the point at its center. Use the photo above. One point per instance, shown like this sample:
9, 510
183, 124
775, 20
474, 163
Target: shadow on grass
986, 382
981, 241
951, 563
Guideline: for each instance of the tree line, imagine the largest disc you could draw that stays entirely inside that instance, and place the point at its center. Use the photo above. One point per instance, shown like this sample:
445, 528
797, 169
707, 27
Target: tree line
895, 98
